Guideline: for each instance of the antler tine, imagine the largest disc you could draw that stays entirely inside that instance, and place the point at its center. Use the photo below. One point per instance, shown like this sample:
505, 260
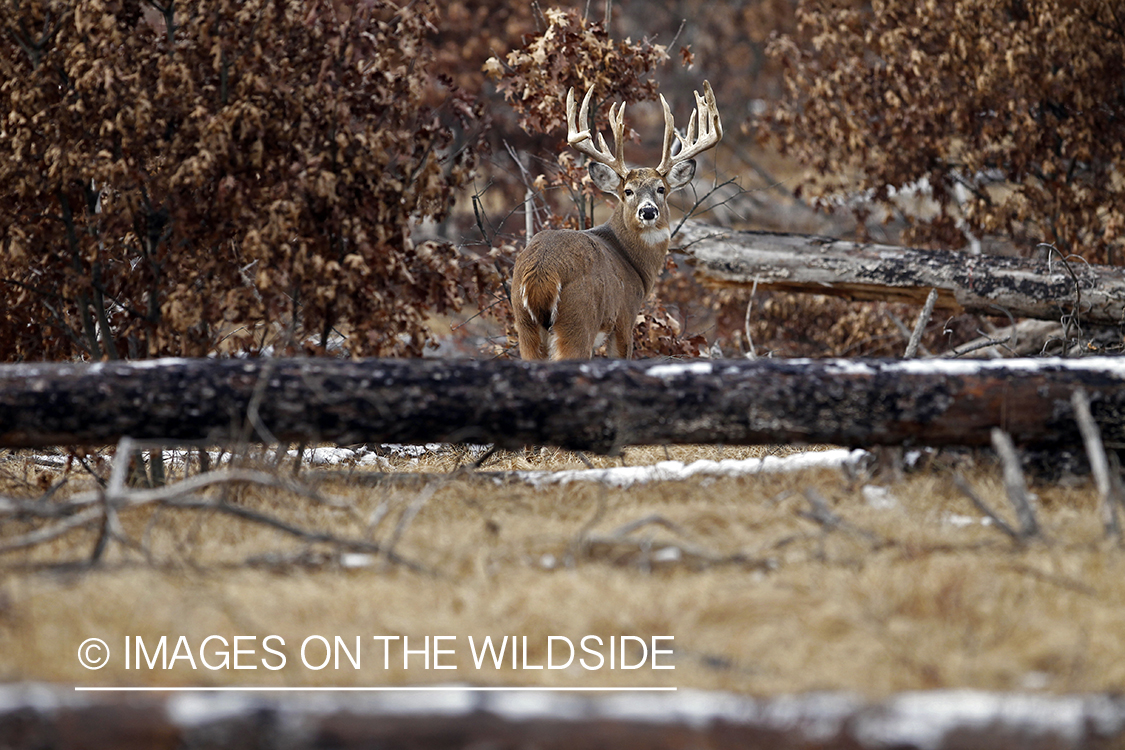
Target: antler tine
705, 116
583, 141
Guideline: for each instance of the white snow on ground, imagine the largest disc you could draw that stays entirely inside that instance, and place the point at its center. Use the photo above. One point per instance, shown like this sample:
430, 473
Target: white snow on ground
626, 476
621, 476
959, 521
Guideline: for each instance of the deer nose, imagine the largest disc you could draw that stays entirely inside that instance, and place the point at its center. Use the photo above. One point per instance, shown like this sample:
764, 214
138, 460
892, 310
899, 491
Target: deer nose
648, 213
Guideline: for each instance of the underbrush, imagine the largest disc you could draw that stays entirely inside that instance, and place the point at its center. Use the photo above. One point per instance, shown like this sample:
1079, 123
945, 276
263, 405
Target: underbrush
769, 583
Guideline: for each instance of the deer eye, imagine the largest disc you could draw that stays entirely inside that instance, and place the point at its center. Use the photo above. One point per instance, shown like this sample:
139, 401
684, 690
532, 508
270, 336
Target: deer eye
628, 193
660, 190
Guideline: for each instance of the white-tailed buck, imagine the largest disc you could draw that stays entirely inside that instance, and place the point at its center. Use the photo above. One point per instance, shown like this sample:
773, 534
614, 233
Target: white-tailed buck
570, 286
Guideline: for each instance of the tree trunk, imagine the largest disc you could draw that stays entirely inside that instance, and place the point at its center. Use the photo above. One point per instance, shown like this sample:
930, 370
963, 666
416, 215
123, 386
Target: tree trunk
600, 405
985, 284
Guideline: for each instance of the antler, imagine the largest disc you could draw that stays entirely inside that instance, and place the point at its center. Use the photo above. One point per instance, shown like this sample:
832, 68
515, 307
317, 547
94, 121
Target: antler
582, 141
710, 130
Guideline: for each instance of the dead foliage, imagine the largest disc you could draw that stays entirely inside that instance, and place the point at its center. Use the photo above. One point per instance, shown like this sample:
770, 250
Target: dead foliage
1006, 115
226, 177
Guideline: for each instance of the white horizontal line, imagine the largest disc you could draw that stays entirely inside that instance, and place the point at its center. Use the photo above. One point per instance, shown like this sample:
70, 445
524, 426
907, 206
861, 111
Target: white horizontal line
434, 689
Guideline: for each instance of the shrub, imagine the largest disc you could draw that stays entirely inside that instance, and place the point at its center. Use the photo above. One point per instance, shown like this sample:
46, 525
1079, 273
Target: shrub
225, 175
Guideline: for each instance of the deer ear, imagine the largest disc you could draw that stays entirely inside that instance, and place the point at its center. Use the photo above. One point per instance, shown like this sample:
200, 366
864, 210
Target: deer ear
604, 177
681, 174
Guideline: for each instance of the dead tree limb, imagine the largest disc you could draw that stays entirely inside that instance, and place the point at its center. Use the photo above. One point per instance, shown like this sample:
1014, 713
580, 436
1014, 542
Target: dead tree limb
1015, 484
1099, 462
967, 490
864, 271
599, 405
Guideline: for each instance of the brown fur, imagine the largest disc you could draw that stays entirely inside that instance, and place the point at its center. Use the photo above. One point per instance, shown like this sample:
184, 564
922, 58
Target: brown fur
570, 286
573, 285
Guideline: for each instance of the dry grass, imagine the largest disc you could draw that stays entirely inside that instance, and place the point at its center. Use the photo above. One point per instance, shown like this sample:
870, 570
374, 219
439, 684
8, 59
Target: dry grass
761, 599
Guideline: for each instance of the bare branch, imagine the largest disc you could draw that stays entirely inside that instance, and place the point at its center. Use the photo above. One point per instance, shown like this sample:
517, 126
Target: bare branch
983, 507
1015, 484
1099, 464
920, 326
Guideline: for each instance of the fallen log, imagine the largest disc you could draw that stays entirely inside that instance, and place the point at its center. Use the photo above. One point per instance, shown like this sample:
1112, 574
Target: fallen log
600, 405
47, 715
988, 284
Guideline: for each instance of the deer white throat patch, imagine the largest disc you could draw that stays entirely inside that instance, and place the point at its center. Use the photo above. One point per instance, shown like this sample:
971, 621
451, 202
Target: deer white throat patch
656, 235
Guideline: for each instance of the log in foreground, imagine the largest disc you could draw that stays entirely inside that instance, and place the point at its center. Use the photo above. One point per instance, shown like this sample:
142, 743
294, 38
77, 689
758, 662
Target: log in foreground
985, 284
599, 405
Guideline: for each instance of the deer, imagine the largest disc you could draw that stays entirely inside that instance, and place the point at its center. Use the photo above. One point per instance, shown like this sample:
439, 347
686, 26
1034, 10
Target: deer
572, 287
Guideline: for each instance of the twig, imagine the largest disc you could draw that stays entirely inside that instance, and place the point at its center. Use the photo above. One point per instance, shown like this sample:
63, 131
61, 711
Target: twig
581, 540
54, 531
752, 354
253, 416
620, 538
408, 516
650, 520
121, 460
586, 461
920, 325
1054, 579
492, 450
1015, 484
103, 505
823, 515
1076, 315
699, 202
984, 344
1118, 491
357, 545
980, 505
478, 212
1099, 464
194, 484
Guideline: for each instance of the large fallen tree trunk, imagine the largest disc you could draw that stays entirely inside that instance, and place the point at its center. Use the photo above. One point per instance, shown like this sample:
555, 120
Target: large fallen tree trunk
38, 715
600, 405
974, 283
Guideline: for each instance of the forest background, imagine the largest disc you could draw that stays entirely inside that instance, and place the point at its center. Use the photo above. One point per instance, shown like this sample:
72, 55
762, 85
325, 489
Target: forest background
225, 177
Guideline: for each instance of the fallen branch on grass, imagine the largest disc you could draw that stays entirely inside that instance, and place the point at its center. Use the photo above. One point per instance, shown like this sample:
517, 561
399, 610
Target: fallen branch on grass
623, 547
1027, 524
104, 506
820, 513
983, 507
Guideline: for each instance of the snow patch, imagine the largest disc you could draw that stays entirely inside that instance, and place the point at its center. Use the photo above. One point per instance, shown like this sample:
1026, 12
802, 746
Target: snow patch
626, 476
878, 497
671, 371
959, 521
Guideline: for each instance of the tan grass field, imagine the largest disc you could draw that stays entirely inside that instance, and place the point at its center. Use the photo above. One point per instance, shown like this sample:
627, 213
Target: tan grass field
910, 591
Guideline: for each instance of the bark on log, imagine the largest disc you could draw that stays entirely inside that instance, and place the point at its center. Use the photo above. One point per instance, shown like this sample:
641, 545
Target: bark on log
972, 283
599, 405
49, 716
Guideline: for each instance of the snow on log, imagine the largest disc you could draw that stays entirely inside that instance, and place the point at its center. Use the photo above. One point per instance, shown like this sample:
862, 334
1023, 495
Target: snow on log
600, 405
864, 271
42, 715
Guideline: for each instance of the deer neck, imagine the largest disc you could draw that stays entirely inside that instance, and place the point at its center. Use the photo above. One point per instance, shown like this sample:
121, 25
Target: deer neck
644, 251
